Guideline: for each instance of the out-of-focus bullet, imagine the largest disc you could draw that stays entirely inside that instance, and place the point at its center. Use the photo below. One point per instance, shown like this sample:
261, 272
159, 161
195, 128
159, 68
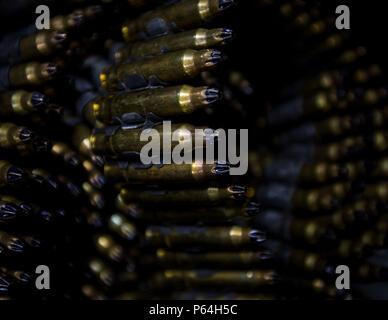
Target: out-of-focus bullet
122, 226
109, 248
65, 23
81, 141
62, 150
169, 68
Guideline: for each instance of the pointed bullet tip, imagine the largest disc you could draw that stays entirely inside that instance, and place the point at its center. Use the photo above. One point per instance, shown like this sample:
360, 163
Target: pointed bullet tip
25, 277
216, 56
51, 69
15, 174
25, 135
213, 95
38, 100
8, 211
257, 236
227, 34
266, 256
238, 192
15, 245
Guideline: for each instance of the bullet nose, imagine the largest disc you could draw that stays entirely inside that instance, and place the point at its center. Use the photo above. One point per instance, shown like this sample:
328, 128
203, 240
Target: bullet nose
51, 69
4, 284
25, 135
8, 211
25, 208
227, 34
238, 192
15, 245
266, 256
46, 215
24, 277
253, 208
38, 100
15, 174
225, 4
222, 168
60, 37
257, 236
216, 56
213, 95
